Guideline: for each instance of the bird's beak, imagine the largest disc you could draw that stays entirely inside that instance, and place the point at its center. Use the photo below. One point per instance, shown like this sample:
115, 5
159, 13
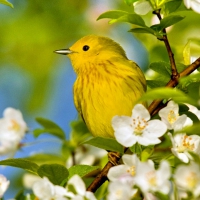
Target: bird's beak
63, 51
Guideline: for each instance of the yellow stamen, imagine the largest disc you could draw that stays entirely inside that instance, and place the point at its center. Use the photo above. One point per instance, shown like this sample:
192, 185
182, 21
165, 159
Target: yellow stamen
172, 117
186, 144
131, 170
151, 178
14, 125
140, 125
192, 179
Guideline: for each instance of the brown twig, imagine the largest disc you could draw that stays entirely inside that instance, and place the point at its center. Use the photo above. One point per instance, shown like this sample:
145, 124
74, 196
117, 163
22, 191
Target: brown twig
172, 83
175, 74
102, 177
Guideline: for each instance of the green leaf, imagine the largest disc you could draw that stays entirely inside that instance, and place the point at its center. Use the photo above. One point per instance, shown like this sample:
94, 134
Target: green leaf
45, 158
54, 172
5, 2
187, 80
186, 53
146, 153
180, 67
112, 14
156, 83
183, 108
129, 2
142, 30
79, 132
194, 91
161, 68
171, 6
21, 163
192, 116
170, 20
106, 143
49, 127
192, 130
136, 149
130, 18
20, 195
166, 93
81, 170
162, 196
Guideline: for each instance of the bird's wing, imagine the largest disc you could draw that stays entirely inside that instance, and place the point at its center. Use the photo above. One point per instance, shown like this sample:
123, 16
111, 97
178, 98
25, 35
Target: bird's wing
78, 104
139, 73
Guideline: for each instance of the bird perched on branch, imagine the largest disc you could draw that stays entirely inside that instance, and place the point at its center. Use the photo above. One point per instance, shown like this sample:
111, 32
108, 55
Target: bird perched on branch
107, 84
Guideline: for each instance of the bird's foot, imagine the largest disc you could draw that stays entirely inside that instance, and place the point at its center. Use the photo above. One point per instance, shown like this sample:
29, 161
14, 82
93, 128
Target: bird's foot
114, 157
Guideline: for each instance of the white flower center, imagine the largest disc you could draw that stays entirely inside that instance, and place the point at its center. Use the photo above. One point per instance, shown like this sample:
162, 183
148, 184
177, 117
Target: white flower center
172, 116
187, 144
14, 126
131, 170
192, 179
119, 193
151, 178
139, 125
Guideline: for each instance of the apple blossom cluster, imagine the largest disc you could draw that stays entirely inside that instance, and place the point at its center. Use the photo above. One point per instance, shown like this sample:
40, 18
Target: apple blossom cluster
134, 175
75, 189
12, 130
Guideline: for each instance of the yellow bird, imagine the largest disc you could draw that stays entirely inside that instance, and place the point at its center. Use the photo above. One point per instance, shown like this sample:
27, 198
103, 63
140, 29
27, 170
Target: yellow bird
107, 84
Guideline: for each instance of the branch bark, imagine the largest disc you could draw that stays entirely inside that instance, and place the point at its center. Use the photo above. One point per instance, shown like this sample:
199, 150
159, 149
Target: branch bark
175, 74
102, 177
173, 83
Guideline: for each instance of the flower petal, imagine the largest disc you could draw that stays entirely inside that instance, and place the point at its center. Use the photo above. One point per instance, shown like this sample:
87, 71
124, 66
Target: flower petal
120, 122
141, 111
195, 5
155, 128
125, 137
78, 184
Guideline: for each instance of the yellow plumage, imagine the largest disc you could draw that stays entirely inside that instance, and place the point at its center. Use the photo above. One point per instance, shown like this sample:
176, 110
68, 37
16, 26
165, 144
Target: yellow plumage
107, 83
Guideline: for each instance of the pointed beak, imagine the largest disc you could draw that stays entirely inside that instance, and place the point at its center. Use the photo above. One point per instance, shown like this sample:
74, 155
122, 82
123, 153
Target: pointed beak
63, 51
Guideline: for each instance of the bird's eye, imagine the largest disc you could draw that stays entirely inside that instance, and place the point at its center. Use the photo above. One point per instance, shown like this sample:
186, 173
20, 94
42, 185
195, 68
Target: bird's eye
85, 48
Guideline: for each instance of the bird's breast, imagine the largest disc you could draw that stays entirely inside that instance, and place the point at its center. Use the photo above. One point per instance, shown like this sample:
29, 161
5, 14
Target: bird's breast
99, 95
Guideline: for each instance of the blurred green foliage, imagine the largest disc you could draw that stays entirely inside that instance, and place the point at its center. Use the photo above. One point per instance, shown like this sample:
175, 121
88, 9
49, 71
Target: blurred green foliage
32, 31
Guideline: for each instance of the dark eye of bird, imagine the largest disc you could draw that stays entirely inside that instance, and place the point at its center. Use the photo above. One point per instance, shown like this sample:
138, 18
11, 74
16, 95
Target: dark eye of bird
85, 48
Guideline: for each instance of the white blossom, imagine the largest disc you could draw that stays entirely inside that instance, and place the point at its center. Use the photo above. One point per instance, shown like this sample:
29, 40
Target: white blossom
79, 186
12, 130
151, 180
120, 191
29, 179
193, 4
86, 155
183, 143
4, 183
170, 116
194, 110
124, 173
187, 178
45, 190
138, 128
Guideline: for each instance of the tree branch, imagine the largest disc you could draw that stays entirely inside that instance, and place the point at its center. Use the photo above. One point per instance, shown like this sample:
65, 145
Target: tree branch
173, 83
102, 177
175, 74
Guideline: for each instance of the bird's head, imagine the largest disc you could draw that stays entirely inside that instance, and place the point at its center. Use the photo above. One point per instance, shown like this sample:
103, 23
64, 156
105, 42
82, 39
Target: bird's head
92, 49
